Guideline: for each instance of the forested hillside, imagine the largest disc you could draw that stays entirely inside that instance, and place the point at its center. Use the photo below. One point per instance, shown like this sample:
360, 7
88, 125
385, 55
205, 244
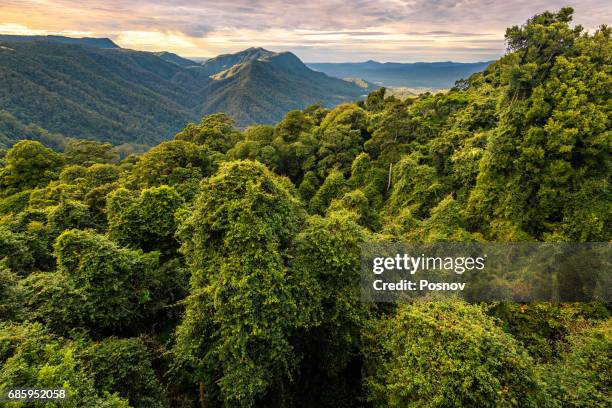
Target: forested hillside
59, 39
105, 94
86, 88
221, 268
260, 86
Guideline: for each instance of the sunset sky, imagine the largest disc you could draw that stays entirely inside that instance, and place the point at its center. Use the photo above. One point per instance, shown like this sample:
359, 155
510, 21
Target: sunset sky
315, 30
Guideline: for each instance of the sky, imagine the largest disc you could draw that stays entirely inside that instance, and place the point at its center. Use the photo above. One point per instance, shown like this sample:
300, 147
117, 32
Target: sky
315, 30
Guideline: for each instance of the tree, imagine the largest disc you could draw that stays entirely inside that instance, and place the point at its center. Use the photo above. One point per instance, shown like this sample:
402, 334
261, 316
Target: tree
145, 221
432, 354
257, 145
295, 145
15, 251
329, 248
68, 215
581, 377
177, 163
415, 186
293, 124
28, 164
123, 366
375, 101
30, 356
341, 136
391, 134
26, 242
549, 150
338, 146
309, 186
446, 223
88, 152
358, 203
236, 241
215, 132
334, 186
98, 285
11, 295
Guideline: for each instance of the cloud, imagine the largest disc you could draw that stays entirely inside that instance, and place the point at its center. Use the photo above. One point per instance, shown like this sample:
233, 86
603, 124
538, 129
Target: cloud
453, 29
446, 34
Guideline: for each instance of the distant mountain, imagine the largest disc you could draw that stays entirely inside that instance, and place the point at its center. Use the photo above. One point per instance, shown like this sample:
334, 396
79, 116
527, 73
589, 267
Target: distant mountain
88, 92
226, 61
93, 42
92, 89
175, 59
411, 75
257, 85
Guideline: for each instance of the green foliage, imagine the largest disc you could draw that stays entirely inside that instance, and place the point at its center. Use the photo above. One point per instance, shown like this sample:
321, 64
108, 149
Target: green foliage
432, 354
191, 274
359, 204
334, 186
236, 241
415, 186
15, 203
551, 147
293, 124
215, 132
257, 145
12, 130
582, 377
97, 285
11, 295
15, 251
27, 165
25, 242
295, 145
341, 138
30, 356
69, 215
446, 223
309, 186
543, 328
88, 152
178, 163
329, 249
391, 134
99, 174
123, 366
375, 101
144, 221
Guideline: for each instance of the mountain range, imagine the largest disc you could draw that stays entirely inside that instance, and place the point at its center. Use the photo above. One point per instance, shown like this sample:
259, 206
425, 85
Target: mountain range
93, 89
436, 75
90, 88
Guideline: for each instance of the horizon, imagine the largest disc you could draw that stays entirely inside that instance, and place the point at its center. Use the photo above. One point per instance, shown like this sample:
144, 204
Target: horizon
199, 59
332, 31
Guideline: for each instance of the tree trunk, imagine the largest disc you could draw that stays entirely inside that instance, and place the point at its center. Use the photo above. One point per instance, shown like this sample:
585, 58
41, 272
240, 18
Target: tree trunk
202, 393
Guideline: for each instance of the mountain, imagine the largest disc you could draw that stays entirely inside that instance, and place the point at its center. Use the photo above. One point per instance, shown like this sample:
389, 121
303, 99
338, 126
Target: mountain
257, 85
175, 59
412, 75
90, 88
226, 61
93, 42
108, 94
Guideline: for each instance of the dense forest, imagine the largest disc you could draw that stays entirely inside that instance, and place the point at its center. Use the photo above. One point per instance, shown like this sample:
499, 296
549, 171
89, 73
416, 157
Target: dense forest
221, 268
